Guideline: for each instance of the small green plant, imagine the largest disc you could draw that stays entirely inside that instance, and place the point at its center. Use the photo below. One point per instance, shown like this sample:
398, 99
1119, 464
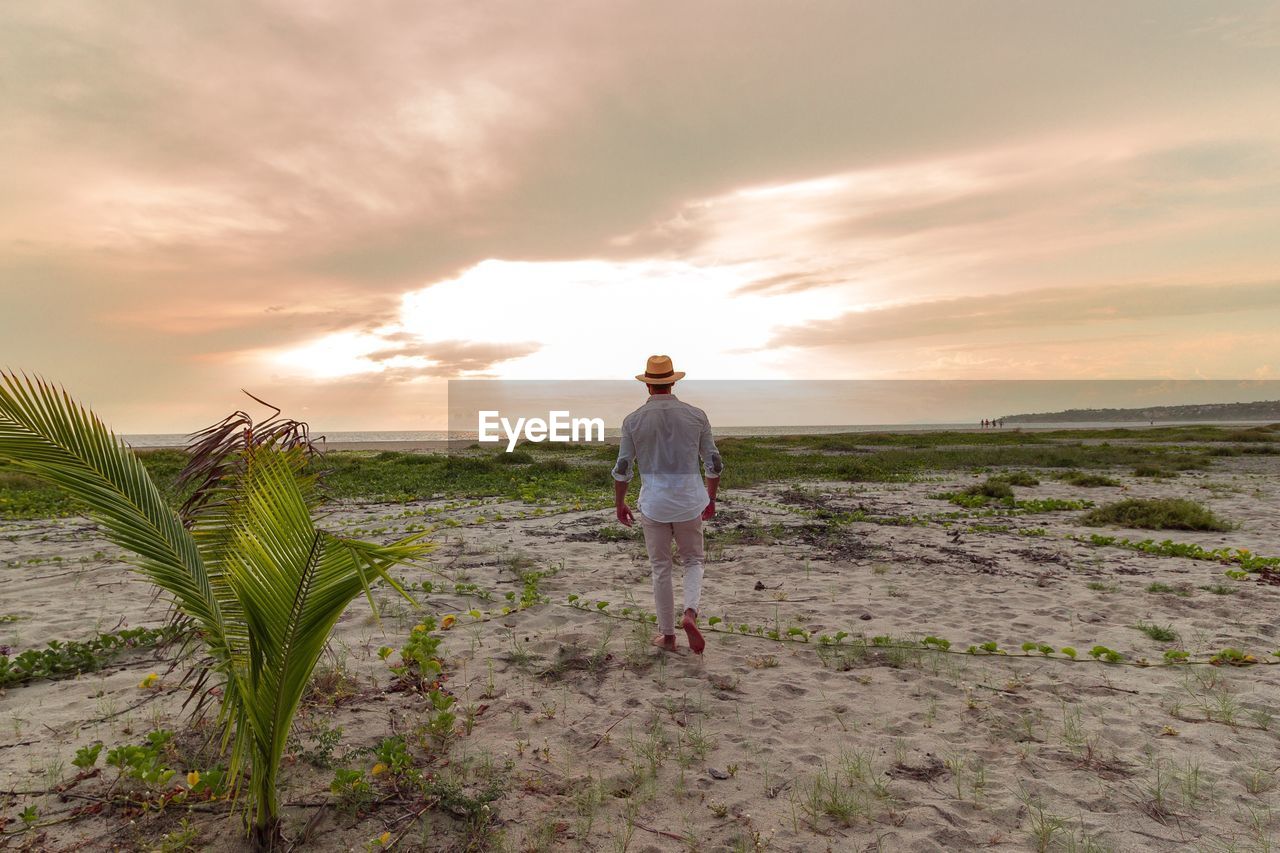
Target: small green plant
87, 756
1044, 826
325, 740
353, 791
1159, 633
1105, 654
441, 722
420, 663
393, 755
145, 762
1232, 657
181, 840
831, 794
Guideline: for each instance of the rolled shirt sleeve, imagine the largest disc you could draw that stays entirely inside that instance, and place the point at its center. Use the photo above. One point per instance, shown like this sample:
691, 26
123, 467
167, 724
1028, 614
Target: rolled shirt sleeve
625, 468
712, 463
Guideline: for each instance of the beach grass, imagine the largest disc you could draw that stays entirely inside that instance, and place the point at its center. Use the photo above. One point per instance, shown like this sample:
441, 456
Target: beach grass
25, 496
580, 472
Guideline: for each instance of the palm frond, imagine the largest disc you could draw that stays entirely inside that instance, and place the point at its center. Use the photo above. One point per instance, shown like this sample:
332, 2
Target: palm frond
44, 432
216, 452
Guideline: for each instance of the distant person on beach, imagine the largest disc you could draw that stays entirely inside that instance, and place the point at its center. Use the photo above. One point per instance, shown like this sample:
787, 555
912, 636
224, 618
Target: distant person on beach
665, 438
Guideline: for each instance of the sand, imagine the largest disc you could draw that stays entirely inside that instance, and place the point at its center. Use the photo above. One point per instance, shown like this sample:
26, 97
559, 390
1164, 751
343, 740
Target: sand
604, 743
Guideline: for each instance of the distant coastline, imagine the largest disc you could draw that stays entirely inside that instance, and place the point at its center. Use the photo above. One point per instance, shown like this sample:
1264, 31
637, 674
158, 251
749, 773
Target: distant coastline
1267, 411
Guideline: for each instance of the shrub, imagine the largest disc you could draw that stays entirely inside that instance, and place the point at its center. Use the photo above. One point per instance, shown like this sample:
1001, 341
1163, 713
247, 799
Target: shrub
994, 487
1156, 514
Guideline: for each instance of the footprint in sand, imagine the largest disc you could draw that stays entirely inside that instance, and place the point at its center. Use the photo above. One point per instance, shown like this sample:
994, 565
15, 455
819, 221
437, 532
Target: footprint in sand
791, 691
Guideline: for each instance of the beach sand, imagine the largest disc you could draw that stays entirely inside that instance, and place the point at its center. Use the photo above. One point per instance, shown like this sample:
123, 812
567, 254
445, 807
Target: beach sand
601, 742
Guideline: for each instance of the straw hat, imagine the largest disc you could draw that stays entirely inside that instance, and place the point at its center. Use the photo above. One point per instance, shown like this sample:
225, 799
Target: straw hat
657, 371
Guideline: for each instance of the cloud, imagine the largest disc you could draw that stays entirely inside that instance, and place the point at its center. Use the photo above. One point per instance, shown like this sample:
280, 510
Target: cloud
789, 282
1032, 312
451, 358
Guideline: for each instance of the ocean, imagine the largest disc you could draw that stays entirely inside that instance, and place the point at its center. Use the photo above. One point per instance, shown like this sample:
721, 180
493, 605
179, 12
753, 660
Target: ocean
150, 440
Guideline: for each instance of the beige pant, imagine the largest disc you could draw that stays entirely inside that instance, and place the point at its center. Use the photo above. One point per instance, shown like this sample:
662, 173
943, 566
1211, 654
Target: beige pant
658, 536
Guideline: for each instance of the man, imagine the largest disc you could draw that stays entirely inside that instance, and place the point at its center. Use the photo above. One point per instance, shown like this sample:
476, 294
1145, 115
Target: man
665, 438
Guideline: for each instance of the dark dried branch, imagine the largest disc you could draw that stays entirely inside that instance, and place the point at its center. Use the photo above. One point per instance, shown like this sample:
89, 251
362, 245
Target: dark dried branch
217, 450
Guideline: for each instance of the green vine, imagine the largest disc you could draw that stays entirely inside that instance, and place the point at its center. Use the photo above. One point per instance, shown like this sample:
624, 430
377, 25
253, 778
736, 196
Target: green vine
64, 659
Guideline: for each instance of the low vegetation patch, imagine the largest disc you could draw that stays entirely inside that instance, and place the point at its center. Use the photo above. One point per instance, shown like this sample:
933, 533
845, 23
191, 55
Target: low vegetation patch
994, 487
63, 659
581, 472
23, 495
1156, 514
1242, 557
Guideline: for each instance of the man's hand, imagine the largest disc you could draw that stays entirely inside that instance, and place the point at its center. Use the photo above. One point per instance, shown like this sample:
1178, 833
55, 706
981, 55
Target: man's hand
625, 518
713, 486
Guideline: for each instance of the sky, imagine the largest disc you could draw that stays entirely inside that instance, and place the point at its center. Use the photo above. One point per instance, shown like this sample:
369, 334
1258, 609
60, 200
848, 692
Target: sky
339, 207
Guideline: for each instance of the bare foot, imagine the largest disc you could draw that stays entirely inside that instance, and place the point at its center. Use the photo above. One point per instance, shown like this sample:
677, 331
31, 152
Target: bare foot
665, 641
690, 625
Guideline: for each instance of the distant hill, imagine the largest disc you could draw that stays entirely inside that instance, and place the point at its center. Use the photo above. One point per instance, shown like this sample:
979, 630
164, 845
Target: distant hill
1268, 411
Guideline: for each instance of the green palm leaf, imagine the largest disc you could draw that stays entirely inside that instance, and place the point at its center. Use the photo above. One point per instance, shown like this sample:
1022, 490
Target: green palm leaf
290, 582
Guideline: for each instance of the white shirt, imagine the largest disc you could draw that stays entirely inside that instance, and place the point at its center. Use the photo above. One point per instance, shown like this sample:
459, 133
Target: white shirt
665, 437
